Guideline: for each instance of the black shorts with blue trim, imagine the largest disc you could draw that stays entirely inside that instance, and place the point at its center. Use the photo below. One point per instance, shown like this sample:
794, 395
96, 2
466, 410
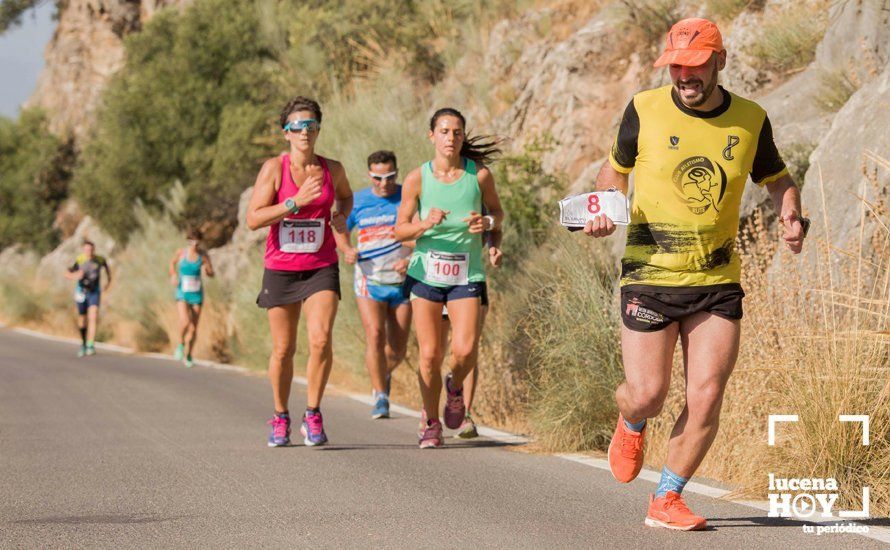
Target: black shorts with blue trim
443, 294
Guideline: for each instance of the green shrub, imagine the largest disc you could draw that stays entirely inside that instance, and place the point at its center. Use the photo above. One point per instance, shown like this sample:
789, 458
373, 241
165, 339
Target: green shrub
193, 92
34, 172
529, 197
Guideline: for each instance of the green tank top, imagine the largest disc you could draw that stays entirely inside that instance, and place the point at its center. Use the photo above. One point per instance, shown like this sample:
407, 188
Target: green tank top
448, 254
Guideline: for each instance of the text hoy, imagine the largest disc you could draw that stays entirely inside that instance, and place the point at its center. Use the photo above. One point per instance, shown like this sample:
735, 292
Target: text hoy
793, 498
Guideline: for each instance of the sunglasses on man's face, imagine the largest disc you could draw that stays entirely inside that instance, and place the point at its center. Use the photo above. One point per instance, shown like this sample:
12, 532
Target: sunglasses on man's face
389, 176
297, 126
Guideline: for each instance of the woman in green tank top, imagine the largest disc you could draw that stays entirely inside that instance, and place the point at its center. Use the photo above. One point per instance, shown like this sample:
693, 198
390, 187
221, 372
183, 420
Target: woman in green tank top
441, 210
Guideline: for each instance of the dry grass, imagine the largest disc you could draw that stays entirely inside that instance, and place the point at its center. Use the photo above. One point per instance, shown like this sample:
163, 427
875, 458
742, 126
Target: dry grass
787, 40
726, 10
652, 18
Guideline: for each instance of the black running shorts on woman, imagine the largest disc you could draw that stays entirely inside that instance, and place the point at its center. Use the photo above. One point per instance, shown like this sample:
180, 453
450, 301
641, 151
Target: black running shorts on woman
289, 287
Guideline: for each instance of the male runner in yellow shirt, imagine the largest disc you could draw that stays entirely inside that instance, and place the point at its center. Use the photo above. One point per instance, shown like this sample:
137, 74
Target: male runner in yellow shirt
693, 145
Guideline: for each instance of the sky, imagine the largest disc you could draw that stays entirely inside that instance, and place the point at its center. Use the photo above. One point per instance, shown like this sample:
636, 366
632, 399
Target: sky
21, 57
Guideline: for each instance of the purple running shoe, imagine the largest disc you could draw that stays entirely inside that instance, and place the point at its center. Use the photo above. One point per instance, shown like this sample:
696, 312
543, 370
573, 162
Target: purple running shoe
280, 436
454, 405
432, 435
313, 429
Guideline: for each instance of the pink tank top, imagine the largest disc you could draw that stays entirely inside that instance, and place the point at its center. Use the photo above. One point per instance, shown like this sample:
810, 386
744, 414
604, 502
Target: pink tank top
304, 240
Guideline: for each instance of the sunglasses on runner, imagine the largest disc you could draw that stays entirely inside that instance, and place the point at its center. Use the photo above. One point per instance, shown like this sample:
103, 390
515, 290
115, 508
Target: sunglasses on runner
297, 126
389, 176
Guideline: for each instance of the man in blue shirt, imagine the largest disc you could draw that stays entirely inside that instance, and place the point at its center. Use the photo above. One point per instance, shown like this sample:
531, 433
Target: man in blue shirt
380, 264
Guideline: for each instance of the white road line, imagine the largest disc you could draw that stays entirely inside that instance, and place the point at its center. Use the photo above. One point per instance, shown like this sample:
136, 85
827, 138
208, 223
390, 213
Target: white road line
878, 533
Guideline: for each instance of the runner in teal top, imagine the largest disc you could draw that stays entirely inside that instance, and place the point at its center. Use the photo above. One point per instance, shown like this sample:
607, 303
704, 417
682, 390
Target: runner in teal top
186, 269
448, 254
442, 210
190, 289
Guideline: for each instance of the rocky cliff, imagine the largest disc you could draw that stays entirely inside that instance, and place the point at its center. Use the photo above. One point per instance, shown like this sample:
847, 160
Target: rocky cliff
85, 50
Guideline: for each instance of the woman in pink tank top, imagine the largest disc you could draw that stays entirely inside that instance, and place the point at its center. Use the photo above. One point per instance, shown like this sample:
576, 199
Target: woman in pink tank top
293, 196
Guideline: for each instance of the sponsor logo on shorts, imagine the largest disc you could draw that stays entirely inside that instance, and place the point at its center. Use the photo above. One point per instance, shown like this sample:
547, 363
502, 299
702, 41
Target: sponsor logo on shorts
636, 310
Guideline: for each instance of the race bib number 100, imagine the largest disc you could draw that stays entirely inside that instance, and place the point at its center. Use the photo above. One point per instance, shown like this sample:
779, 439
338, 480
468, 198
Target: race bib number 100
300, 236
447, 268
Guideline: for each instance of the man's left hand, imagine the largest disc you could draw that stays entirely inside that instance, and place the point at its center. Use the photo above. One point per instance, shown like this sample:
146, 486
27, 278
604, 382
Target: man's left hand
794, 231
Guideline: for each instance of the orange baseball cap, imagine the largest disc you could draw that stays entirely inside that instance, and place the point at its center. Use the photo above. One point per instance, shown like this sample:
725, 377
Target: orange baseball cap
690, 42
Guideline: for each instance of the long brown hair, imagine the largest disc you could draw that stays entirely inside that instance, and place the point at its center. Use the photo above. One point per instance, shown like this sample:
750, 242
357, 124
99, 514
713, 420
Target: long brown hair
481, 149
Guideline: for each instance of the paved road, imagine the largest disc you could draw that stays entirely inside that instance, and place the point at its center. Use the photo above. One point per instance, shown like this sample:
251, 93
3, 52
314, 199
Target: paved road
125, 451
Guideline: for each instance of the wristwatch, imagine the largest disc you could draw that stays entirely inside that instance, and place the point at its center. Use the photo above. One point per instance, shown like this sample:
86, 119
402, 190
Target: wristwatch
490, 222
291, 205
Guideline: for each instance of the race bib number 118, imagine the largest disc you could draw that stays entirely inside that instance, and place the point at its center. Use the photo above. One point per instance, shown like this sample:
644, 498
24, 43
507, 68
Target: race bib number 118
300, 236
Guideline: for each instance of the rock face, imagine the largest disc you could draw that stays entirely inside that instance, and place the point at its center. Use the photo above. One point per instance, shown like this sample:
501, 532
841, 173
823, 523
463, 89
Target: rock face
856, 45
839, 164
572, 91
86, 49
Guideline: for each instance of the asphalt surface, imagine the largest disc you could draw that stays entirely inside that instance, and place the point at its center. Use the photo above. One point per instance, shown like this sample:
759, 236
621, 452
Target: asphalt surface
117, 451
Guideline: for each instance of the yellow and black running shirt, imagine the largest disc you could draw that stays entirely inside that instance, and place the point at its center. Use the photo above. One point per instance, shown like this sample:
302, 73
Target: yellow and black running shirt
691, 168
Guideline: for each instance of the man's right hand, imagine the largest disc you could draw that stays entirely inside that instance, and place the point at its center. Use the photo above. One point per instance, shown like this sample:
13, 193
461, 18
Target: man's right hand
309, 191
435, 217
600, 226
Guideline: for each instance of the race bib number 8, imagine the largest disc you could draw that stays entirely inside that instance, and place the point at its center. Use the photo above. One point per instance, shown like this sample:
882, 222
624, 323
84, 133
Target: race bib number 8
190, 283
576, 210
447, 268
300, 236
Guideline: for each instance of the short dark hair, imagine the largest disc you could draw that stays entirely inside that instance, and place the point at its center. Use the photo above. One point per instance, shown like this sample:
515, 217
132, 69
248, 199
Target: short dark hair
194, 233
89, 242
300, 103
379, 157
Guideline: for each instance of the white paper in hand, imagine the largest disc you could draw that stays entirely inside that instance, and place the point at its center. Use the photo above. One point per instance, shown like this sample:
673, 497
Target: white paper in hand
577, 210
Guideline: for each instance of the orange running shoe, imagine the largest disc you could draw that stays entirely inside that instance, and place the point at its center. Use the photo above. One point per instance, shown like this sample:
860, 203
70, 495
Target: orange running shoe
626, 452
671, 512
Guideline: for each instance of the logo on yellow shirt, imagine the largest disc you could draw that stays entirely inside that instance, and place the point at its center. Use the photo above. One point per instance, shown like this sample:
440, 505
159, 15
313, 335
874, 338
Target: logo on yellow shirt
701, 183
731, 141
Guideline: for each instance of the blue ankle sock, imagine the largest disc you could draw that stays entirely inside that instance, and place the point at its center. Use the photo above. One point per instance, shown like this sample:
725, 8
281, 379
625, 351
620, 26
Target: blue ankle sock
670, 482
637, 427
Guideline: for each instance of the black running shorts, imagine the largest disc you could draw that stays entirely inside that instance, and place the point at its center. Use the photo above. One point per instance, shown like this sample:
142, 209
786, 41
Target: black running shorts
290, 287
648, 308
